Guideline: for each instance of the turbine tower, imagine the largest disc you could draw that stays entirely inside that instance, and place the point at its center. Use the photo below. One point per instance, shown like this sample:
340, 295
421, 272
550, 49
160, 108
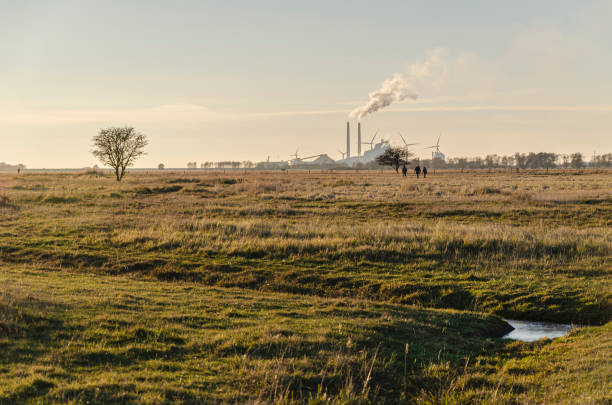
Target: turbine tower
359, 139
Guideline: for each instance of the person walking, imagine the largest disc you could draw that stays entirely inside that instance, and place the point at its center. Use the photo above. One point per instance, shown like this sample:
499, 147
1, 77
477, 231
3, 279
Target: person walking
417, 170
404, 170
424, 172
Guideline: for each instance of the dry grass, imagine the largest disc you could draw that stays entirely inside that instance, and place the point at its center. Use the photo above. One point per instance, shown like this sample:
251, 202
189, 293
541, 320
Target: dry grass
499, 243
75, 329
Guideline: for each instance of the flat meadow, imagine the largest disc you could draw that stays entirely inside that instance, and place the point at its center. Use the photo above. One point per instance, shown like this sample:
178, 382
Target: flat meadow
303, 287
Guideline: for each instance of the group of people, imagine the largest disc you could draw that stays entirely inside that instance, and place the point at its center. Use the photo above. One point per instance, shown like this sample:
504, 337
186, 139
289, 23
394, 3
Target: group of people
417, 170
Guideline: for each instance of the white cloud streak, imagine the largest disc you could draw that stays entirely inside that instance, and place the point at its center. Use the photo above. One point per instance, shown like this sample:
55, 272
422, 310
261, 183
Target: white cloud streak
188, 113
162, 113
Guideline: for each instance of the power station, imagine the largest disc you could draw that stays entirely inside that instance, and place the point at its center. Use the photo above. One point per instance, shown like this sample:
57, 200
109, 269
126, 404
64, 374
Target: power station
376, 149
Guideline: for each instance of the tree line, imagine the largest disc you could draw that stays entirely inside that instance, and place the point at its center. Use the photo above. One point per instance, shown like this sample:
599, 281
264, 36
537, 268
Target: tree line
226, 164
6, 167
540, 160
397, 157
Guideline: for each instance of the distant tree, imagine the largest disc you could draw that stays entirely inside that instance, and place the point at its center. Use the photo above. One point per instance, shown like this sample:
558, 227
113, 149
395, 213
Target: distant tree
476, 163
511, 162
492, 161
394, 157
435, 163
577, 161
521, 160
532, 161
192, 165
119, 148
566, 160
161, 166
504, 162
462, 163
547, 160
602, 160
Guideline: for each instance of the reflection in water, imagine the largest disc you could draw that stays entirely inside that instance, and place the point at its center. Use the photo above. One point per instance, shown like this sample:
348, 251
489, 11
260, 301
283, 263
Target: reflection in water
529, 331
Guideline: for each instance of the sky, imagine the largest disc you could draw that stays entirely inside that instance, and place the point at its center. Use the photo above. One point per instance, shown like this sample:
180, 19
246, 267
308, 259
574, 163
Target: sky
244, 80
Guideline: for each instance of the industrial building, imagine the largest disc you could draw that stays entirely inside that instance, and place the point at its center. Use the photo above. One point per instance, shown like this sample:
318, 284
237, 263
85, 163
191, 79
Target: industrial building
376, 149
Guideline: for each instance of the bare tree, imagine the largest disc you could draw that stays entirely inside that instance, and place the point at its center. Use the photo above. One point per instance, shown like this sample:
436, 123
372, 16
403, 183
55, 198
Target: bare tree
119, 148
394, 157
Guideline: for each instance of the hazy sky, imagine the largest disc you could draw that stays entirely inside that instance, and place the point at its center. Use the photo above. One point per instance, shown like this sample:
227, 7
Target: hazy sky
213, 80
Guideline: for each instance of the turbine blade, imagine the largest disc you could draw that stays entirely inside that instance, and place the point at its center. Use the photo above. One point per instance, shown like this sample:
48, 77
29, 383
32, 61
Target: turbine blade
376, 133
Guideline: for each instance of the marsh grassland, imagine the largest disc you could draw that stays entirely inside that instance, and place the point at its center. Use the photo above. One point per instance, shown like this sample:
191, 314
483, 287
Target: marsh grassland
321, 288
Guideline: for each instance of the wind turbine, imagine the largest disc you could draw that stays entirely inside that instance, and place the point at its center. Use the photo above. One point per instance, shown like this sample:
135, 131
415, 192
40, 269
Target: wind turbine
371, 143
342, 153
437, 146
436, 154
406, 144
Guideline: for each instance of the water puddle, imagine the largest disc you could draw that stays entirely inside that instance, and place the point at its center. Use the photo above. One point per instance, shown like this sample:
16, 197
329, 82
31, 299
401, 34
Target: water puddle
529, 331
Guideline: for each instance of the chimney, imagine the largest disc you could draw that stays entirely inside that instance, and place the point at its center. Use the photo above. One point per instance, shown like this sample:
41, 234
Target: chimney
359, 139
348, 140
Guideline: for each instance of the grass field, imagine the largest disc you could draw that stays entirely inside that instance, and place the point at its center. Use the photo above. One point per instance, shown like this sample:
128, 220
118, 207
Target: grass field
323, 287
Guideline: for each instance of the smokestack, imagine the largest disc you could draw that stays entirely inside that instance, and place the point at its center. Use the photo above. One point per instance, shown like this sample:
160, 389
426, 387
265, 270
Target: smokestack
359, 139
348, 140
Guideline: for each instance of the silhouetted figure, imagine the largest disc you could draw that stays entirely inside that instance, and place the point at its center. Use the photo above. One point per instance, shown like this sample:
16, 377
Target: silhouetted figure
18, 170
417, 170
404, 170
424, 172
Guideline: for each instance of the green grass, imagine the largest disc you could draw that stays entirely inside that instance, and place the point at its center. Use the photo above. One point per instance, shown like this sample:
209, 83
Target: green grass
303, 288
74, 337
81, 338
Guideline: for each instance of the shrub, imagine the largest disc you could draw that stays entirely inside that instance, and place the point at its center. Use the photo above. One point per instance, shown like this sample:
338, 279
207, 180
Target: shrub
158, 190
5, 201
183, 180
56, 199
229, 181
482, 190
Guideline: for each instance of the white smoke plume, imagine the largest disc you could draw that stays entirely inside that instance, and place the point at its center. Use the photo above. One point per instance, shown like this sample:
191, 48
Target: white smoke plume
397, 88
400, 87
